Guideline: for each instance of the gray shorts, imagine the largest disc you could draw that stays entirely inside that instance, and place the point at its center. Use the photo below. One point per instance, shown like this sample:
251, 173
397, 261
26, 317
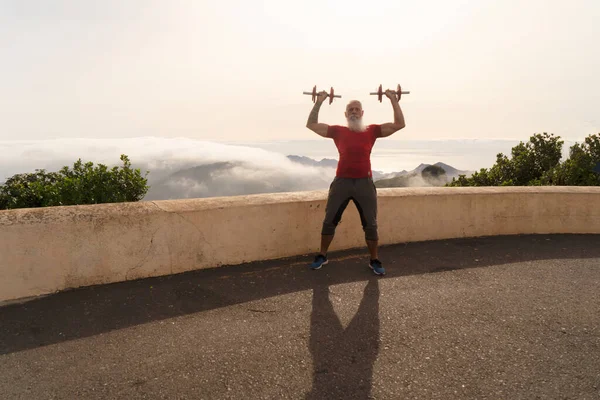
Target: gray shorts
363, 193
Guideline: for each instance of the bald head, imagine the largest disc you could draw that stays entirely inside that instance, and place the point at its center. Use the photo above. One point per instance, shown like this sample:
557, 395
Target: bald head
354, 103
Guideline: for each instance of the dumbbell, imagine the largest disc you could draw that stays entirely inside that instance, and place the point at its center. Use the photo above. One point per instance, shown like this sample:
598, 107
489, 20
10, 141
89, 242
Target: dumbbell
380, 93
314, 94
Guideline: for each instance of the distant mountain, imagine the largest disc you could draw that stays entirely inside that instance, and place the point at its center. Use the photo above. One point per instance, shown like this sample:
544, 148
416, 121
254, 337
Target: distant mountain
416, 177
397, 181
243, 178
450, 170
404, 177
384, 175
332, 163
325, 162
235, 178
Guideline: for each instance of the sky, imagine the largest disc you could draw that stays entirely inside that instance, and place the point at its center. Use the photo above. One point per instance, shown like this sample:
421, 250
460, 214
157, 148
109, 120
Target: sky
236, 70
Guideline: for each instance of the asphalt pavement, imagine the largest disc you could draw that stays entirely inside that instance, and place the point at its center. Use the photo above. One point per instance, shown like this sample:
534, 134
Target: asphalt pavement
513, 317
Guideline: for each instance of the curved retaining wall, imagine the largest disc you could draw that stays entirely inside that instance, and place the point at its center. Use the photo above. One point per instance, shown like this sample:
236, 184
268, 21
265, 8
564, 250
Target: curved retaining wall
45, 250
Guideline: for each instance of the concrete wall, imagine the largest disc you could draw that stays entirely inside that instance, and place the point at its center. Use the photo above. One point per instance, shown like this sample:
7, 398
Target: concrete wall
49, 249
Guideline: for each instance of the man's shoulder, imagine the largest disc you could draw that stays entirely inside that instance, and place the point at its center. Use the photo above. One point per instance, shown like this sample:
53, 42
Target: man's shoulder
333, 130
375, 129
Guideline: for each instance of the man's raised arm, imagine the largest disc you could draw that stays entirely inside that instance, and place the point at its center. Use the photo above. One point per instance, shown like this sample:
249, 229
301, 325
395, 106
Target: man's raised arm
390, 128
313, 119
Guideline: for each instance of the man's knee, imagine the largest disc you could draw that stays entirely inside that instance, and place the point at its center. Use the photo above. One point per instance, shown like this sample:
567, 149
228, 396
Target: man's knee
333, 215
328, 228
371, 232
368, 218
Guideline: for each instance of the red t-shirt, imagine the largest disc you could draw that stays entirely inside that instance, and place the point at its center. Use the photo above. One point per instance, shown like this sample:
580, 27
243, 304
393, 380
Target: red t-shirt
355, 150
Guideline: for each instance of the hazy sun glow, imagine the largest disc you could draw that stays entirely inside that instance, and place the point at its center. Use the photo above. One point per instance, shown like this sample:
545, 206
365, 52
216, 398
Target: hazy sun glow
235, 70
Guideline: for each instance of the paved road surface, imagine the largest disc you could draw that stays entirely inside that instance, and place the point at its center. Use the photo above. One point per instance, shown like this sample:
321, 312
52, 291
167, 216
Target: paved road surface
487, 318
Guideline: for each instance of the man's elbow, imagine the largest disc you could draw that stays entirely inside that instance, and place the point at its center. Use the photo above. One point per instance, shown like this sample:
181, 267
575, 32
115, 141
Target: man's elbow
392, 129
399, 126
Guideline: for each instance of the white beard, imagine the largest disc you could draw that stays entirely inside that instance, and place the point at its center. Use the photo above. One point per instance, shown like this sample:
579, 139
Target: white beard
355, 125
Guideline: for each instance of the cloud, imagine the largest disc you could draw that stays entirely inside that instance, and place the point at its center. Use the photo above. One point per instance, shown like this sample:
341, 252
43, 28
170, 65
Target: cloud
179, 167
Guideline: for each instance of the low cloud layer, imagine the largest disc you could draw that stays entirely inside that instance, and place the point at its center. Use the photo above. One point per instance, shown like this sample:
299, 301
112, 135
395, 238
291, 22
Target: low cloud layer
179, 167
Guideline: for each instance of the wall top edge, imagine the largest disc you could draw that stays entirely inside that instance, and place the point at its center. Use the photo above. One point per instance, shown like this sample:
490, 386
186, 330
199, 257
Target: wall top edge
10, 217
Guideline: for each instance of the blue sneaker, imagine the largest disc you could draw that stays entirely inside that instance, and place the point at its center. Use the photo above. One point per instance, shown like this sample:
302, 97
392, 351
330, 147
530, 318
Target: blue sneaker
320, 260
376, 266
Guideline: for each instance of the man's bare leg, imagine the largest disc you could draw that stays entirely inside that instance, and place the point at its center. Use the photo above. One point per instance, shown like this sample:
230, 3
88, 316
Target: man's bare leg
325, 242
372, 245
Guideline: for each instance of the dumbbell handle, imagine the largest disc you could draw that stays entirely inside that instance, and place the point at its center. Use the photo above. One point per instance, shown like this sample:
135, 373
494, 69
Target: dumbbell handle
403, 92
335, 95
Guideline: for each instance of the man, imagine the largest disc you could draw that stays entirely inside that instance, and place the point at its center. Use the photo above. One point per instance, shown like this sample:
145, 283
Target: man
354, 179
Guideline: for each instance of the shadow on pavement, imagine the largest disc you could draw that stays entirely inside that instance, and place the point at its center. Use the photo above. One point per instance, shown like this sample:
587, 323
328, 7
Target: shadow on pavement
93, 310
343, 359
